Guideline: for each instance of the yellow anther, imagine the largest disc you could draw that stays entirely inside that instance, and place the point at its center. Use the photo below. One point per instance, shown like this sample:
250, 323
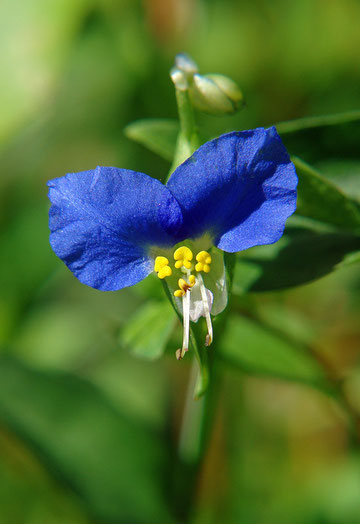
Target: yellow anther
203, 261
165, 272
184, 286
160, 262
183, 256
162, 267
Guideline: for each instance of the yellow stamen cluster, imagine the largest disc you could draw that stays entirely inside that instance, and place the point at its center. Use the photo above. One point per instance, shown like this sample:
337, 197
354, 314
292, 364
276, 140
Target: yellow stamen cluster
162, 267
183, 257
184, 286
203, 261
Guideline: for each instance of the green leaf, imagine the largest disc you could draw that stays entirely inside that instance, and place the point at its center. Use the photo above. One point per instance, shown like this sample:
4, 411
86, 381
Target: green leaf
42, 500
300, 256
344, 173
148, 330
324, 137
322, 200
258, 351
158, 135
28, 233
108, 460
291, 126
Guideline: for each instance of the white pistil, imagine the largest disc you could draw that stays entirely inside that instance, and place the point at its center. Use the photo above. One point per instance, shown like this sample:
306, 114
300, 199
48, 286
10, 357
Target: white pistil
186, 326
186, 310
209, 336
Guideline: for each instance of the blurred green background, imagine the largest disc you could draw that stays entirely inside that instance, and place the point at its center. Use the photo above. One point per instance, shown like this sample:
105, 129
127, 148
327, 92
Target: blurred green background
90, 417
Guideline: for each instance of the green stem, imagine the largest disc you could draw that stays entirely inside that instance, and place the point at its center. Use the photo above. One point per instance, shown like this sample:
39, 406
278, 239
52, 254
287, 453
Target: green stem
192, 427
199, 412
188, 139
186, 116
195, 430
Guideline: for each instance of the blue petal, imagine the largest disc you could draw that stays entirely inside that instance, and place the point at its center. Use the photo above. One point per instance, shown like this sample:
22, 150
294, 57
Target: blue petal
103, 223
240, 188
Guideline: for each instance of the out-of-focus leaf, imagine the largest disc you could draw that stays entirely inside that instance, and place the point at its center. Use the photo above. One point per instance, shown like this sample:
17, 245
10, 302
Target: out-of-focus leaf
320, 199
149, 289
42, 500
300, 256
290, 322
85, 442
291, 126
319, 138
32, 69
148, 330
344, 173
26, 262
158, 135
256, 350
25, 241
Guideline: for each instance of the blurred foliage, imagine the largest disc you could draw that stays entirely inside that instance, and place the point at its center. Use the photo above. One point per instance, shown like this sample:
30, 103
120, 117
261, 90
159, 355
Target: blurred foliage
88, 430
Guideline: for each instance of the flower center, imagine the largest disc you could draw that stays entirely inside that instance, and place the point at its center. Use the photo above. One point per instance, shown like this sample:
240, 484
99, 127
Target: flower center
183, 257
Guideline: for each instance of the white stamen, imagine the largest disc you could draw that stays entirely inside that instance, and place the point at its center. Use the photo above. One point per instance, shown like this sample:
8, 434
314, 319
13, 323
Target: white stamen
180, 353
209, 336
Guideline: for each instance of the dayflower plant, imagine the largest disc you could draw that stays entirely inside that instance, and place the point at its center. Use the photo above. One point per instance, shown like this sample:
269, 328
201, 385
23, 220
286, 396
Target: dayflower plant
113, 227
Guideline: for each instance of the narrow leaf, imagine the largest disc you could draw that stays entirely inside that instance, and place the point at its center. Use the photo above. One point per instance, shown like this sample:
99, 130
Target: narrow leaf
147, 332
344, 173
322, 200
73, 428
258, 351
336, 119
158, 135
322, 138
300, 256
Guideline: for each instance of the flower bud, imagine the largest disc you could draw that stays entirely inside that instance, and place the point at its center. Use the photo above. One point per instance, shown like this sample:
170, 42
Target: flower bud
179, 79
229, 87
186, 64
215, 94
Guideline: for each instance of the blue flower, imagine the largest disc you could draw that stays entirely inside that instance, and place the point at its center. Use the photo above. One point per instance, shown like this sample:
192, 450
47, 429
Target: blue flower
113, 227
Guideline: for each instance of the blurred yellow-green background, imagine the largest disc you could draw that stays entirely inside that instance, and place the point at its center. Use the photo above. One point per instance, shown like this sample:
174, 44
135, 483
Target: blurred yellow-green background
89, 417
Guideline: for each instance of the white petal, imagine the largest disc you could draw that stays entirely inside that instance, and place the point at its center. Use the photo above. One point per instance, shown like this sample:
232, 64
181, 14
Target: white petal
216, 281
196, 303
